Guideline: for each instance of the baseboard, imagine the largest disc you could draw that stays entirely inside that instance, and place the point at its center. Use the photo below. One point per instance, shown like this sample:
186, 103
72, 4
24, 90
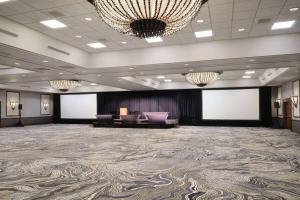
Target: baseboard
7, 122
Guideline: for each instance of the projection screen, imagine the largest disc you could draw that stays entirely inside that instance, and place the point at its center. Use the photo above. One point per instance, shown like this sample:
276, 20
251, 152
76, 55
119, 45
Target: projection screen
78, 106
239, 104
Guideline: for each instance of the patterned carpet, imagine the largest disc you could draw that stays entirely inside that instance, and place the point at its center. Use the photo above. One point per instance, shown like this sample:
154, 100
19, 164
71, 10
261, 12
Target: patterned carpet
78, 162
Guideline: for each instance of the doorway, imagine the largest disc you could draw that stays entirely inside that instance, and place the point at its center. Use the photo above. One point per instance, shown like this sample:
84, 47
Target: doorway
287, 114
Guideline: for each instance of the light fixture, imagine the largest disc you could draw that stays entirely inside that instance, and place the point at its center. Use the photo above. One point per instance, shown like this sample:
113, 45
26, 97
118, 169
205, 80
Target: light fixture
131, 68
250, 72
60, 73
45, 105
283, 25
78, 36
53, 23
277, 103
246, 77
186, 64
160, 77
294, 9
13, 104
93, 84
168, 80
45, 61
154, 39
17, 63
251, 60
200, 21
295, 101
190, 70
88, 19
201, 79
2, 1
147, 18
201, 34
241, 29
96, 45
64, 85
124, 42
99, 75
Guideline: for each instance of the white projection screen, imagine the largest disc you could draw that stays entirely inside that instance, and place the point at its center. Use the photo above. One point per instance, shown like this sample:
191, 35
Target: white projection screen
78, 106
238, 104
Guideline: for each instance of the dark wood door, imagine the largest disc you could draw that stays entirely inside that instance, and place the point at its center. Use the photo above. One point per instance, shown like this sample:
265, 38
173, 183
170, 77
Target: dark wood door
287, 114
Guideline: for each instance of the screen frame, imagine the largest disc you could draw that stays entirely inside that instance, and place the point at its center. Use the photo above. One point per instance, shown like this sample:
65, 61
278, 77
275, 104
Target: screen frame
77, 120
232, 120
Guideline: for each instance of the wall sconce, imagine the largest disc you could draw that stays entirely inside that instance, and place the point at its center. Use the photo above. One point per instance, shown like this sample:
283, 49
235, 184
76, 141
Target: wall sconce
295, 101
277, 103
13, 104
45, 105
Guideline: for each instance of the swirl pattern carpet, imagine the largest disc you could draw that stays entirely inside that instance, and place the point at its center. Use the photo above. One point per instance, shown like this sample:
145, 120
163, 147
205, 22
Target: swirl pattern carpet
70, 162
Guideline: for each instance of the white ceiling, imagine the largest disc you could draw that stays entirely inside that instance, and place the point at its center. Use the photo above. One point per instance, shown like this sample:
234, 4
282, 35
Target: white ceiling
224, 17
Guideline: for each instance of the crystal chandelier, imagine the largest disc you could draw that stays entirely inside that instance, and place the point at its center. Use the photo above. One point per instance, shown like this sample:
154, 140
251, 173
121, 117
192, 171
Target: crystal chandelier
201, 79
64, 85
147, 18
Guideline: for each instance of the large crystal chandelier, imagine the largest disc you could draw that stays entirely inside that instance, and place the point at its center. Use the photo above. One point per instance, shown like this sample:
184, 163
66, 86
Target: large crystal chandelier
64, 85
147, 18
201, 79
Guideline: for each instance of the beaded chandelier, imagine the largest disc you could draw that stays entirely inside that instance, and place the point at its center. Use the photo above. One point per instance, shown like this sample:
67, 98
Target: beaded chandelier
64, 85
147, 18
201, 79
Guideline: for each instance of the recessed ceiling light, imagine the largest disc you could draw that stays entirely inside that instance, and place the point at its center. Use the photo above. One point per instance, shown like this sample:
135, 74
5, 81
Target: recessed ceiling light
154, 39
250, 72
93, 84
124, 42
53, 23
78, 36
160, 77
218, 78
200, 21
294, 9
186, 64
17, 63
241, 29
251, 60
45, 61
283, 25
61, 73
2, 1
131, 68
99, 75
246, 77
96, 45
168, 80
88, 19
201, 34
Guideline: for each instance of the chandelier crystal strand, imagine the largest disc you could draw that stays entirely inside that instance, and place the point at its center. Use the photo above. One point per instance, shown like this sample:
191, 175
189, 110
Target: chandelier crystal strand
148, 18
201, 79
64, 85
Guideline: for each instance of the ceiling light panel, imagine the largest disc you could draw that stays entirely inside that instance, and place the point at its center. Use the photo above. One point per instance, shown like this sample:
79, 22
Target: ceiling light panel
96, 45
154, 39
283, 25
201, 34
53, 23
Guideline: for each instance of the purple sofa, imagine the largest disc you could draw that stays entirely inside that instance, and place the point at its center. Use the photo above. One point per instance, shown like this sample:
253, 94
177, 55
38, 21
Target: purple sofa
156, 117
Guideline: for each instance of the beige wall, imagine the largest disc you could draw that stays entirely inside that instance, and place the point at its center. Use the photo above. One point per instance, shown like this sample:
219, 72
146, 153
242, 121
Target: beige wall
31, 104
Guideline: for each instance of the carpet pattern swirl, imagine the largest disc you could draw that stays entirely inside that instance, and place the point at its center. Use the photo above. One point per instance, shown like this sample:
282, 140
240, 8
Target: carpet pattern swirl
70, 162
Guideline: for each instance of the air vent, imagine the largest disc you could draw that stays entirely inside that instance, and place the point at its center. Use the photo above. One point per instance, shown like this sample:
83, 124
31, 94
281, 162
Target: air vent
102, 40
264, 21
58, 50
25, 86
67, 67
8, 33
42, 69
56, 13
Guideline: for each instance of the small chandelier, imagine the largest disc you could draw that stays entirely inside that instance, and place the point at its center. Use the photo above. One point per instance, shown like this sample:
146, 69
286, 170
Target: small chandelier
147, 18
201, 79
64, 85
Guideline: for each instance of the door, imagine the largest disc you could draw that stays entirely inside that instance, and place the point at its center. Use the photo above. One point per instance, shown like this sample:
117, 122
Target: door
287, 114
